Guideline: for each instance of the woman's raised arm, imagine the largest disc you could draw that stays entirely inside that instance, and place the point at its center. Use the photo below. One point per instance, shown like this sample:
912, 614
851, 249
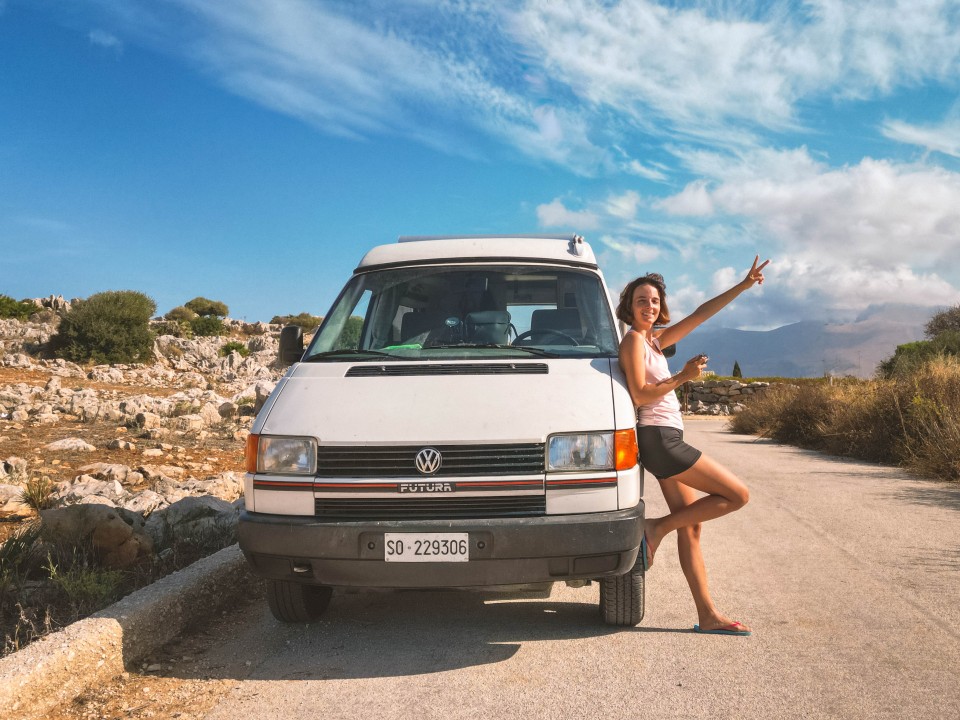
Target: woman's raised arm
675, 333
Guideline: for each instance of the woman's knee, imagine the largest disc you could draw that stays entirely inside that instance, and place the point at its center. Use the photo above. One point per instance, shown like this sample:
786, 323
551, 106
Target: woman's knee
691, 532
739, 496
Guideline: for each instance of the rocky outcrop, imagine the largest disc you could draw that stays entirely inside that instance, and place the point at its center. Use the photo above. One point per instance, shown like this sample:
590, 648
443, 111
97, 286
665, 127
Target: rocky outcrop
130, 510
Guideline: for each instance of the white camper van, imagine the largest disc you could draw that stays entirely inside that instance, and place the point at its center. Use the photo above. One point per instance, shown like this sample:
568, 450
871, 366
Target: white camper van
459, 420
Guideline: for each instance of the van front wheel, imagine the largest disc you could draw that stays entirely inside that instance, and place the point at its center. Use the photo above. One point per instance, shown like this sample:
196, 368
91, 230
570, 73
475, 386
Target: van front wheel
292, 602
621, 597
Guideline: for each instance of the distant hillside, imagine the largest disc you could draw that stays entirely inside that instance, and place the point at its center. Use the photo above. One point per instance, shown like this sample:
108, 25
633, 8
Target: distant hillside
809, 348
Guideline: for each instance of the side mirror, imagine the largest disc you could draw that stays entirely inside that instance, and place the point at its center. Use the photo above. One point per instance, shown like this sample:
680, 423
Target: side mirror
291, 344
669, 350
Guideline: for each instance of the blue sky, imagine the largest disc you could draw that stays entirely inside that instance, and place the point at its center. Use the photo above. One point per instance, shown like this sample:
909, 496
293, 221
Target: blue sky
251, 151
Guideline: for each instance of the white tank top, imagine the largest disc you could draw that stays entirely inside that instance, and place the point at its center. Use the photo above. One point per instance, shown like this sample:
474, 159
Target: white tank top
664, 412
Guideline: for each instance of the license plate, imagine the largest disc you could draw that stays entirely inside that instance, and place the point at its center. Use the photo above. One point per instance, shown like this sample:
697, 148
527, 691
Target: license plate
426, 547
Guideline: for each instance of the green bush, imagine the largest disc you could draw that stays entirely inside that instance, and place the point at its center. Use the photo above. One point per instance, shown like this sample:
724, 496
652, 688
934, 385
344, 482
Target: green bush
108, 327
207, 326
174, 328
207, 308
910, 357
87, 587
17, 309
180, 314
234, 346
305, 320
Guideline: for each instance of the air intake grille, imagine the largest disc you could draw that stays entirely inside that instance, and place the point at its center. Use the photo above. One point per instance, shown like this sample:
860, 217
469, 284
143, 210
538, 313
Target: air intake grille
458, 460
392, 370
432, 508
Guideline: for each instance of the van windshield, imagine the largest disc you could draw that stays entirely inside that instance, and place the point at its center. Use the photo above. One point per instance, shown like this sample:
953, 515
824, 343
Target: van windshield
467, 312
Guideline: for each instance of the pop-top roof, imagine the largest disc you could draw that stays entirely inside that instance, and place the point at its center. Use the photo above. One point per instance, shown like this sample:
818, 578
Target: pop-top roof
565, 249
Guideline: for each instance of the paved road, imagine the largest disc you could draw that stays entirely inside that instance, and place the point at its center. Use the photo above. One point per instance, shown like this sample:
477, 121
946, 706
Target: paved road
849, 574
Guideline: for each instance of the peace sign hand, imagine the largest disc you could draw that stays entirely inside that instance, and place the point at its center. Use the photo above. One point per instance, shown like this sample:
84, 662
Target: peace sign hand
755, 275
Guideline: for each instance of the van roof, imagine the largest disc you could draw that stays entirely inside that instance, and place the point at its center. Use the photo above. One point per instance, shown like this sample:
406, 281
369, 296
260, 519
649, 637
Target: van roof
420, 250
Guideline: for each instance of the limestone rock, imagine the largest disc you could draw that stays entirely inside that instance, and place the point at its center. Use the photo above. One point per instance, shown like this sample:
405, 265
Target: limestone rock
70, 444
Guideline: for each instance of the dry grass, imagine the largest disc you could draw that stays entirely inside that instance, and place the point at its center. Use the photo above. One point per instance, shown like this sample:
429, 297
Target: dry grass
912, 421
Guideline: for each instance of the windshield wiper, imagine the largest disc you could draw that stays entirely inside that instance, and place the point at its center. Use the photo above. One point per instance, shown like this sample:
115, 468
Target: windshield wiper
470, 346
347, 352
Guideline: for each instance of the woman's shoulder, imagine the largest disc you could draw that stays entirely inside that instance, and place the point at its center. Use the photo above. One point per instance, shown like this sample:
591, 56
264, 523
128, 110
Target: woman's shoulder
632, 340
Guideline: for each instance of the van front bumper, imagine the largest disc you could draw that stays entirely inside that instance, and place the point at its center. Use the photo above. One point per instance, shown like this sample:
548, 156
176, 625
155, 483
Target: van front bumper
503, 551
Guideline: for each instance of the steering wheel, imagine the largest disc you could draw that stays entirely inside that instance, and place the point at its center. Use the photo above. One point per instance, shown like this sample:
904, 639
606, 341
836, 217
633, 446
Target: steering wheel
568, 339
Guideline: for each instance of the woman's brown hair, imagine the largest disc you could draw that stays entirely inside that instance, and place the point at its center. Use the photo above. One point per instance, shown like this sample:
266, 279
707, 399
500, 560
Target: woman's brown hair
625, 306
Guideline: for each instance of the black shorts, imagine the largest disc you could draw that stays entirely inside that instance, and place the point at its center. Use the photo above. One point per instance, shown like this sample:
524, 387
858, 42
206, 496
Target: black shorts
663, 451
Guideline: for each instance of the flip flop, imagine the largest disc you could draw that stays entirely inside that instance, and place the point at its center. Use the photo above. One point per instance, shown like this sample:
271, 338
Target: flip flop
643, 552
731, 629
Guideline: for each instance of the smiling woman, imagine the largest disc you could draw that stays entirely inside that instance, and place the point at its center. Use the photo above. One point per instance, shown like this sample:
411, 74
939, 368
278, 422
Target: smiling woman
681, 469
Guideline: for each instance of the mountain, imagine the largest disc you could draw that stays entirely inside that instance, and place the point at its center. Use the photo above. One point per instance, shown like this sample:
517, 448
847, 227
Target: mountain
809, 348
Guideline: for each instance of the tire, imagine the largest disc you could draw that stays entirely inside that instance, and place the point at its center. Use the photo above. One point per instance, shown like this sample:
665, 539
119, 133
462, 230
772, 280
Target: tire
622, 596
292, 602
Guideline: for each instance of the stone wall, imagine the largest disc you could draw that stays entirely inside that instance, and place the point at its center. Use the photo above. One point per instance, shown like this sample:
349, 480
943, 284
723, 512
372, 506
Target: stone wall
718, 397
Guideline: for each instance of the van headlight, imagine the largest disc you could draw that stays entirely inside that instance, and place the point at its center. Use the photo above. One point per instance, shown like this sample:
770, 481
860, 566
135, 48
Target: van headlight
580, 452
274, 454
588, 452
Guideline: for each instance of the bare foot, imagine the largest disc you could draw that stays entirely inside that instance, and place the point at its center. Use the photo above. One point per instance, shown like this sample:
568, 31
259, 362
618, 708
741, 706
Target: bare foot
650, 532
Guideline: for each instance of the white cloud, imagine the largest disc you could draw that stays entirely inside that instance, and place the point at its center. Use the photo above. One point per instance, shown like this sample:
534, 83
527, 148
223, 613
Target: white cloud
556, 214
559, 82
694, 200
105, 39
842, 238
709, 67
944, 137
630, 250
635, 167
623, 206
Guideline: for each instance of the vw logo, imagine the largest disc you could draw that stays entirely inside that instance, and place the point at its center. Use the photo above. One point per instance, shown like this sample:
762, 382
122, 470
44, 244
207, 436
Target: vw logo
428, 461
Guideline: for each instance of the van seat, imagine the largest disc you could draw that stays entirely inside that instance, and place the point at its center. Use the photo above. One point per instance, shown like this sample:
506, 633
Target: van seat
488, 326
419, 323
564, 320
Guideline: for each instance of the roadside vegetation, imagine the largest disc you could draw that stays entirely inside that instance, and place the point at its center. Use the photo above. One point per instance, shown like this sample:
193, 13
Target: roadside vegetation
45, 586
909, 415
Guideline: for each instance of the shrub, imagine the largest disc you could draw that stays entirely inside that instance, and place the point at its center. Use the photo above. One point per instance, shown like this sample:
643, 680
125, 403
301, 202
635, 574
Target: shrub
180, 314
38, 493
207, 326
911, 420
16, 309
910, 357
174, 328
305, 320
234, 346
108, 327
86, 586
207, 308
943, 321
17, 553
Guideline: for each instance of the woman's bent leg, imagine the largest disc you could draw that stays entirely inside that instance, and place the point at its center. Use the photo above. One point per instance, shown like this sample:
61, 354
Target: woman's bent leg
679, 497
725, 493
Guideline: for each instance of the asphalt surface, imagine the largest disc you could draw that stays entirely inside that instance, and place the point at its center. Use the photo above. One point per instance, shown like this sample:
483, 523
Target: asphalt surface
848, 573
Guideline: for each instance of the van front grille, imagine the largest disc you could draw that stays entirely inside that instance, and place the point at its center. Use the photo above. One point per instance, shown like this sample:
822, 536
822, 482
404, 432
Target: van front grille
429, 508
458, 460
